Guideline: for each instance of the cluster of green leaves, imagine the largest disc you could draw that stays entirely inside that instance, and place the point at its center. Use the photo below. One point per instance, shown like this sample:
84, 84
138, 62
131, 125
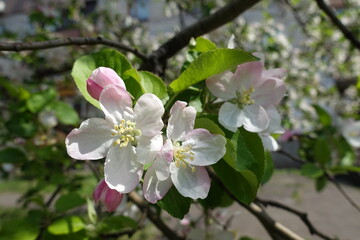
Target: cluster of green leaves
245, 165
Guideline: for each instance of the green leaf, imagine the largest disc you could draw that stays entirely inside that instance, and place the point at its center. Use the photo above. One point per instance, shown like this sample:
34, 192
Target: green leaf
38, 101
203, 45
209, 125
320, 183
133, 83
152, 84
209, 64
323, 115
22, 125
312, 171
344, 169
246, 152
114, 224
12, 155
84, 66
242, 184
19, 229
66, 225
65, 113
175, 204
322, 152
269, 168
69, 201
217, 197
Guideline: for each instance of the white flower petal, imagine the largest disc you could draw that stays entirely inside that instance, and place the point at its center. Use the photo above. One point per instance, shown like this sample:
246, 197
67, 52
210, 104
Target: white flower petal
351, 132
181, 121
91, 141
222, 85
163, 160
231, 117
190, 184
255, 119
207, 148
274, 73
274, 120
148, 147
269, 142
148, 112
122, 171
248, 75
153, 188
270, 92
116, 103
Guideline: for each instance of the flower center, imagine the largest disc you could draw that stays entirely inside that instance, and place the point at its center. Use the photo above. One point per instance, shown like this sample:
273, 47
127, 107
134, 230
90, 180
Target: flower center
182, 156
243, 99
126, 132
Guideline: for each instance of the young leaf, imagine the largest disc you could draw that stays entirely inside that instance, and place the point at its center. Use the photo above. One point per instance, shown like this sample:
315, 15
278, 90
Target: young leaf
175, 204
39, 100
84, 66
322, 152
12, 155
269, 168
115, 224
312, 171
209, 64
68, 201
65, 113
66, 225
323, 115
217, 197
242, 184
203, 45
152, 84
209, 125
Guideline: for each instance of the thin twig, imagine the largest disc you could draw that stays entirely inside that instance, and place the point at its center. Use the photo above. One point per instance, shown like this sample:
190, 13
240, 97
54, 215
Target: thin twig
303, 216
346, 32
275, 229
330, 178
154, 218
343, 192
23, 46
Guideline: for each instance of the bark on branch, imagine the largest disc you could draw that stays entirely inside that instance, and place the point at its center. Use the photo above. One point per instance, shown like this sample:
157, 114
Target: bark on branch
203, 26
346, 32
79, 41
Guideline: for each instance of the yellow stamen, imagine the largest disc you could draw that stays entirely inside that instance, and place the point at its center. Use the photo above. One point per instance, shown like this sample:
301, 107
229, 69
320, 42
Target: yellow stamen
126, 132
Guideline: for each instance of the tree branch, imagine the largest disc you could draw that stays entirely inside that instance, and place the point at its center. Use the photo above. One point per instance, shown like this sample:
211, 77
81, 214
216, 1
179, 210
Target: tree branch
154, 218
275, 229
346, 32
203, 26
23, 46
303, 216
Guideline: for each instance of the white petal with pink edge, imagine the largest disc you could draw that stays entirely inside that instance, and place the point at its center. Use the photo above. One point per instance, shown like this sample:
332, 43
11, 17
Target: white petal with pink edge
231, 117
148, 148
181, 121
193, 184
222, 85
255, 118
91, 141
153, 188
248, 75
206, 148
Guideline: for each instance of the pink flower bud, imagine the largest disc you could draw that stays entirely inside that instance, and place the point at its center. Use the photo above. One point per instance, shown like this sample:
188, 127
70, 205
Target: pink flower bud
100, 78
110, 198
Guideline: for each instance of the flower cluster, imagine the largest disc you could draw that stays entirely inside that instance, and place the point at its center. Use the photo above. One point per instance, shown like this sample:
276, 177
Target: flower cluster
130, 138
250, 96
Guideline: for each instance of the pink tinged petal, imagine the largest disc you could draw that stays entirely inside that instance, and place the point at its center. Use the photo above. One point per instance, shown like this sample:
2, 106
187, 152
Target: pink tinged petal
122, 171
112, 200
256, 119
274, 120
248, 75
231, 117
222, 85
98, 190
100, 78
274, 73
116, 103
91, 141
190, 184
148, 112
181, 121
148, 148
163, 160
153, 188
270, 92
207, 148
269, 142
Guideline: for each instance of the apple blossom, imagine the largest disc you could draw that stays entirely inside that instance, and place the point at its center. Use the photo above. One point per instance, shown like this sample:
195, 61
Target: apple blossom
183, 157
100, 78
247, 93
110, 198
351, 132
274, 127
127, 137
